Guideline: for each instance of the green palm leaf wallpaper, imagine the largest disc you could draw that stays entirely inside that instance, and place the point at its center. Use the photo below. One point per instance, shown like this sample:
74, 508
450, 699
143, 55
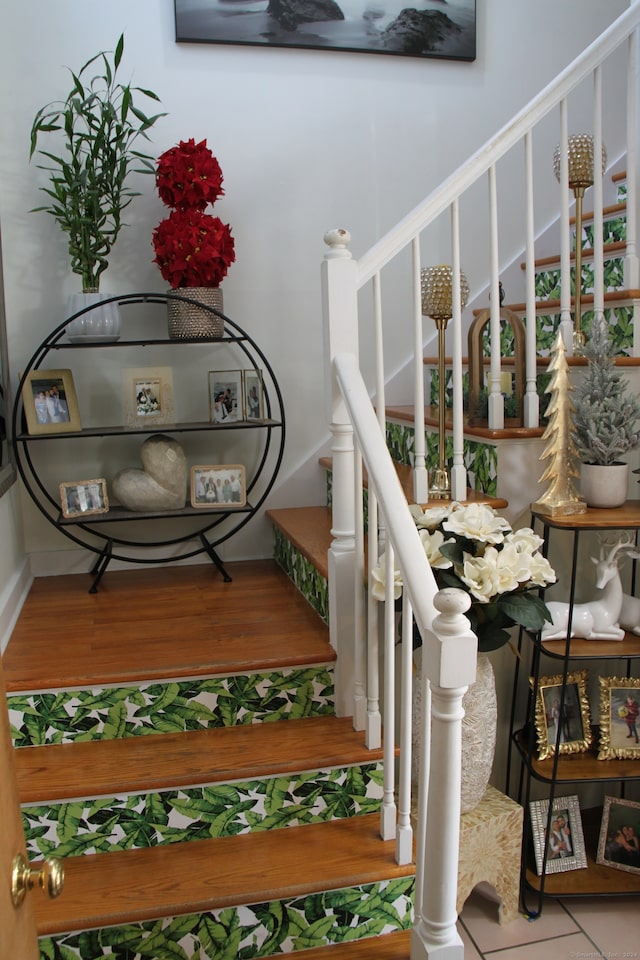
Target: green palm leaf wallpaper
249, 932
126, 822
103, 714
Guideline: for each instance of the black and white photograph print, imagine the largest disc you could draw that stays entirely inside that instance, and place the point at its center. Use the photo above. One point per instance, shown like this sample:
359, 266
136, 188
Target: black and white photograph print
253, 396
422, 28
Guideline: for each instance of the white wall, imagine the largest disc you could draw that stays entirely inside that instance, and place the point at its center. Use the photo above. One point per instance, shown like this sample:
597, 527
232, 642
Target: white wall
307, 141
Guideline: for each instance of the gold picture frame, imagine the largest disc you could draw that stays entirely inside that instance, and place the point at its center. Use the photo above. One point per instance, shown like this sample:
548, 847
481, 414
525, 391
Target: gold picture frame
50, 403
147, 396
82, 498
219, 486
565, 725
616, 697
619, 840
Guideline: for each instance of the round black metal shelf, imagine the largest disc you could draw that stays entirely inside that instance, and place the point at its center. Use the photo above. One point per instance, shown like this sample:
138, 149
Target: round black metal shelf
202, 529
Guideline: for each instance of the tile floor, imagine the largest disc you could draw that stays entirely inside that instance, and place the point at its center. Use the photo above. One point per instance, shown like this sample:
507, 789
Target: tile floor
581, 929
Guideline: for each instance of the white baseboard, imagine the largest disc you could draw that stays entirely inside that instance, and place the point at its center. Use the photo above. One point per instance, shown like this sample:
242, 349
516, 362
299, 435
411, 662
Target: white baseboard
11, 601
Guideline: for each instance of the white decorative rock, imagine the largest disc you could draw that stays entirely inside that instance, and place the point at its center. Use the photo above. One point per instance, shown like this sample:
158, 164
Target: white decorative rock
161, 485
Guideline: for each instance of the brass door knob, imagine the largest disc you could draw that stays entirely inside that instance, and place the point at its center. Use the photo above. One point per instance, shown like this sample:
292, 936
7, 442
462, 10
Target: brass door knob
49, 878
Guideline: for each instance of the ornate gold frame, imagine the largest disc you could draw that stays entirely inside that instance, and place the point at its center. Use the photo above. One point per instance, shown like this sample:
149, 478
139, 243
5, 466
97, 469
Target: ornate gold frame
580, 744
609, 747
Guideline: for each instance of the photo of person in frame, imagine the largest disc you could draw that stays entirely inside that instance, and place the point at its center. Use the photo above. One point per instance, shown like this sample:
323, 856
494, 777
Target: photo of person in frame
563, 719
625, 710
50, 401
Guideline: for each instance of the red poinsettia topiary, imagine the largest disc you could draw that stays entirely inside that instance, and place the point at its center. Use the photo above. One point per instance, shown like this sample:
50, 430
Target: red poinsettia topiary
189, 176
193, 249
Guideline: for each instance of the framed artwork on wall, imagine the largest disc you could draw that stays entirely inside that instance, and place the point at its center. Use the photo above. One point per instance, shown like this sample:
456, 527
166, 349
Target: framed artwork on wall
427, 29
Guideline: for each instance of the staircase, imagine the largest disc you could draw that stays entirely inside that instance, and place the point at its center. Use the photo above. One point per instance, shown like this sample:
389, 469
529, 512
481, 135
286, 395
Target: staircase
177, 745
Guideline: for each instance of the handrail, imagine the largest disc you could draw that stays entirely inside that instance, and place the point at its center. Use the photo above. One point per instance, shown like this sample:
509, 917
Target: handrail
448, 667
417, 574
396, 239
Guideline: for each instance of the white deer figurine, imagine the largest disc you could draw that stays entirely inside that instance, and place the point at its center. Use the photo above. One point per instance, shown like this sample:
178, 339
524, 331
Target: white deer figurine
600, 617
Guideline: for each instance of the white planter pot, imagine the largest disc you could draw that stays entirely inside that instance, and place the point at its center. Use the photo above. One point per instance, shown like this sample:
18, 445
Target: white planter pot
604, 486
100, 325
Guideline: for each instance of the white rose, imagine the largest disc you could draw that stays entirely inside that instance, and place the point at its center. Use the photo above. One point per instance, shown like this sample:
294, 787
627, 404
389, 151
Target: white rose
432, 543
480, 574
526, 540
379, 579
477, 521
428, 519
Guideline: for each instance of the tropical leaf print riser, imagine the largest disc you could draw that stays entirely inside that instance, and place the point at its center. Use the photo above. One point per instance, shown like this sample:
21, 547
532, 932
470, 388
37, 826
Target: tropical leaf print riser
250, 932
480, 459
311, 584
170, 707
126, 822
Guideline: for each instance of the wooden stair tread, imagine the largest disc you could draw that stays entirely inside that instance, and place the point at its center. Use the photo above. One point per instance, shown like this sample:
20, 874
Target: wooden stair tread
167, 761
611, 297
389, 946
184, 878
510, 432
309, 530
615, 246
168, 622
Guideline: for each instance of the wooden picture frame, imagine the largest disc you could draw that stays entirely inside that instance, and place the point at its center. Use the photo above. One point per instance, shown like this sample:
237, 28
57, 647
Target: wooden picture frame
565, 726
619, 840
564, 841
218, 486
225, 396
449, 35
253, 395
50, 403
81, 498
147, 396
619, 719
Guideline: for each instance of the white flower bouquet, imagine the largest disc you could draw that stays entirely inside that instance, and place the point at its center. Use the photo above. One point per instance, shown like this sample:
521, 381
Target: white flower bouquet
471, 547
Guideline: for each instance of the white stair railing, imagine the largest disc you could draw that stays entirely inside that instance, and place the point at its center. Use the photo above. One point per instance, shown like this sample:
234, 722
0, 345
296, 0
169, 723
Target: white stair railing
448, 667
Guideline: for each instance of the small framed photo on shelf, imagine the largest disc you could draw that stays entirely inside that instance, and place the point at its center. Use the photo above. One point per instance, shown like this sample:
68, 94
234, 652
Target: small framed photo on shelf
225, 396
561, 835
253, 394
50, 402
218, 486
147, 396
619, 841
562, 724
619, 718
81, 498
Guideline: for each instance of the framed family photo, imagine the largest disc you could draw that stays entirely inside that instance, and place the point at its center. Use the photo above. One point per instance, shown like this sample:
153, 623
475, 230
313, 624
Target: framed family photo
563, 723
432, 30
147, 396
50, 403
253, 394
619, 840
225, 396
561, 835
619, 718
81, 498
218, 486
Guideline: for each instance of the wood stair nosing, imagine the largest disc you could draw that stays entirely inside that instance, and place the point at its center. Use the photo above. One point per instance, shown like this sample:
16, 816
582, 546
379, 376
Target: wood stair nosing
57, 772
389, 946
610, 250
204, 875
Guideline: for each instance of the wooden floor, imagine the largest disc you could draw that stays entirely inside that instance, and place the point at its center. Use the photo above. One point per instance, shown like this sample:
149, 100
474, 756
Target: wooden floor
161, 622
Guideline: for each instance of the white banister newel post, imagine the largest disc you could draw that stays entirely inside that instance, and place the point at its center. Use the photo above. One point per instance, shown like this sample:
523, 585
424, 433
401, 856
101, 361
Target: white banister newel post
340, 322
449, 664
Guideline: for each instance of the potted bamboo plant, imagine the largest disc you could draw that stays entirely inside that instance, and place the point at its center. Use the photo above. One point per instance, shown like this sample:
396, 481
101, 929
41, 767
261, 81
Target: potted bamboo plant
95, 132
605, 423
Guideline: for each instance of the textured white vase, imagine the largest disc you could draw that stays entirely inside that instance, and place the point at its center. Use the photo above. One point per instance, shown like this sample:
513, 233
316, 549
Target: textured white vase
478, 732
604, 486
